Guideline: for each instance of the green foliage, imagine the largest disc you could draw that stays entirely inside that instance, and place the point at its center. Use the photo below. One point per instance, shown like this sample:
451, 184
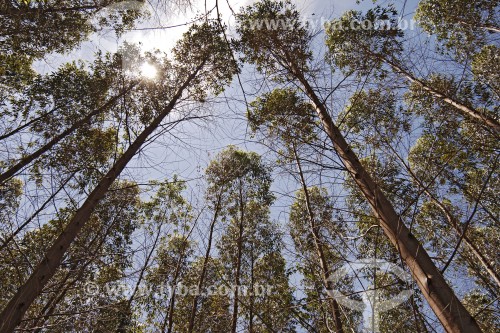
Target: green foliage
99, 256
10, 193
357, 42
374, 116
234, 170
420, 152
484, 311
283, 114
272, 35
330, 228
469, 93
214, 310
486, 67
168, 205
205, 44
37, 28
461, 25
250, 246
15, 73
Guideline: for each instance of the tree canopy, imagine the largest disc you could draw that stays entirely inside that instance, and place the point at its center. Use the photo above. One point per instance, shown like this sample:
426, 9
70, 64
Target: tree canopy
280, 172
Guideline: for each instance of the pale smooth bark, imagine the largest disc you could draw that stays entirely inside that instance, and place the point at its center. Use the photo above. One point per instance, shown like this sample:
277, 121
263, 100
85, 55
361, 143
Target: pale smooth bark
447, 307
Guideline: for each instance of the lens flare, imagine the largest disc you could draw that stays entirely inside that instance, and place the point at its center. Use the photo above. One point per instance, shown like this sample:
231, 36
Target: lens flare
148, 71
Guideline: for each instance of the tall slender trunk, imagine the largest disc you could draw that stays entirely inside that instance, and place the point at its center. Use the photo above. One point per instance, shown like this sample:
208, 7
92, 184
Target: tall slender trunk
234, 321
55, 140
13, 313
169, 320
51, 305
252, 288
446, 306
205, 263
334, 305
122, 325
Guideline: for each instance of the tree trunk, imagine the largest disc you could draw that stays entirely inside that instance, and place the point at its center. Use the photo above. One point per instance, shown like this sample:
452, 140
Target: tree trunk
13, 313
169, 320
234, 321
334, 305
51, 305
251, 296
205, 264
447, 307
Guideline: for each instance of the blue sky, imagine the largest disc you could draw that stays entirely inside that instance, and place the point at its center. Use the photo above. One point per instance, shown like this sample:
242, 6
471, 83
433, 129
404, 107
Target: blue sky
187, 150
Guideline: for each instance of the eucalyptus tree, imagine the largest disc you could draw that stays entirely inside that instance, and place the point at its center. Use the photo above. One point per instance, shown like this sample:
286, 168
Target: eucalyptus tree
214, 197
371, 244
72, 98
212, 299
455, 159
167, 220
173, 264
31, 30
287, 123
201, 268
380, 49
322, 250
78, 160
200, 68
458, 164
284, 51
461, 25
250, 244
98, 257
458, 133
282, 116
378, 122
36, 28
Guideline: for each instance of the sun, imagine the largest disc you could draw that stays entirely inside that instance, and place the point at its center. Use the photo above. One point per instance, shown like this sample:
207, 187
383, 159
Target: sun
148, 71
